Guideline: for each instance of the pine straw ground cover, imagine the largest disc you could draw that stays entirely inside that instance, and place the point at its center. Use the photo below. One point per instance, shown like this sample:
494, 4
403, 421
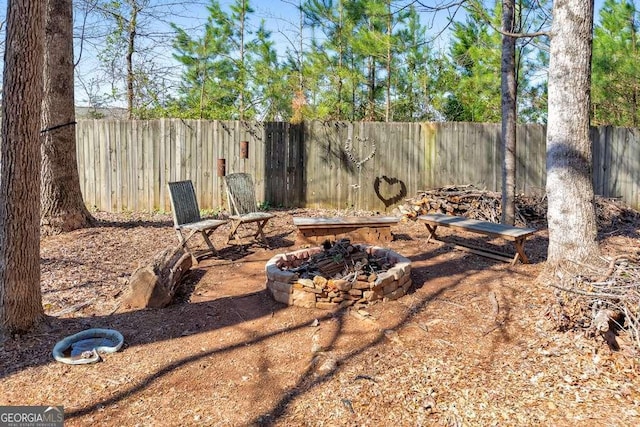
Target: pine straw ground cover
475, 342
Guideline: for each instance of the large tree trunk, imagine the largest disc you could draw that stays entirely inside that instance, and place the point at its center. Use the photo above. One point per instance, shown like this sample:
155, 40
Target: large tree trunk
509, 116
20, 296
571, 211
131, 49
387, 112
63, 208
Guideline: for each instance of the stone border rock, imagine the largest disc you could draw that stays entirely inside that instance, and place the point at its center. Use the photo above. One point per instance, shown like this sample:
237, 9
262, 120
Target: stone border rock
328, 293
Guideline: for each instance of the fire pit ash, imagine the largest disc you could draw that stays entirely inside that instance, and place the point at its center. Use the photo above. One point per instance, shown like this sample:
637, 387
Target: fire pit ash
338, 275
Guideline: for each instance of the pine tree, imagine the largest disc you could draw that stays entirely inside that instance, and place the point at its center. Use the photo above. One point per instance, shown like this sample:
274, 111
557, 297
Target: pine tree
615, 80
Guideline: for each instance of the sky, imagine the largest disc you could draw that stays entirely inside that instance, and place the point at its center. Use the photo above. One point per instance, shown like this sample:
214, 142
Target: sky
281, 18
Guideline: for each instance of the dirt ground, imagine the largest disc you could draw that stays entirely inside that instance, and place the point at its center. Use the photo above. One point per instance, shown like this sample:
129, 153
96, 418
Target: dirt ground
471, 344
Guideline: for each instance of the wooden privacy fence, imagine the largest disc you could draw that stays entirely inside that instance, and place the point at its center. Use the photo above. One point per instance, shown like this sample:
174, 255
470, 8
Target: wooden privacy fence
125, 165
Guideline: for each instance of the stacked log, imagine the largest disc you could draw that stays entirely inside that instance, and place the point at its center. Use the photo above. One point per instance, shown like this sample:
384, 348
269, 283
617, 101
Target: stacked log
471, 202
531, 210
337, 260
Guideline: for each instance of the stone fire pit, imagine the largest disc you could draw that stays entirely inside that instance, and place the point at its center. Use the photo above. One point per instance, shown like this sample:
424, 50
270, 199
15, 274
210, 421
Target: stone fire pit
341, 276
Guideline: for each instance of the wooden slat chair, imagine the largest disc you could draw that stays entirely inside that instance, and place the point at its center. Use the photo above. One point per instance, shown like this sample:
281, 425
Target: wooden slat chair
186, 217
241, 196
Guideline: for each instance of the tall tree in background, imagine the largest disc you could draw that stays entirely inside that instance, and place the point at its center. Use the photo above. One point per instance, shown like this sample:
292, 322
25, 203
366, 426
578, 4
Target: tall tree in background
272, 89
515, 54
475, 51
571, 210
124, 37
616, 65
206, 88
295, 58
132, 55
370, 45
413, 85
509, 92
263, 91
240, 11
230, 72
332, 80
62, 206
20, 295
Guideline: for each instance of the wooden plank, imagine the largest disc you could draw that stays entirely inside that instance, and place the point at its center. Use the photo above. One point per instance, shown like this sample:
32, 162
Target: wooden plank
488, 253
206, 162
156, 183
220, 154
163, 178
105, 168
484, 227
344, 221
634, 170
318, 173
82, 159
116, 168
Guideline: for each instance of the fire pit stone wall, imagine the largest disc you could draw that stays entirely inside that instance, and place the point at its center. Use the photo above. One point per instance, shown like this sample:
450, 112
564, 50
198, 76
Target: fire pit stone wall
330, 293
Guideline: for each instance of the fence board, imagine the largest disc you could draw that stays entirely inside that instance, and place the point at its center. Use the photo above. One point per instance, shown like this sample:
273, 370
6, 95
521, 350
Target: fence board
125, 165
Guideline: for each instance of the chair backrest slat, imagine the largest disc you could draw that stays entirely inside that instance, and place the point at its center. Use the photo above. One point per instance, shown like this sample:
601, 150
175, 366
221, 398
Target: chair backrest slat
184, 204
241, 194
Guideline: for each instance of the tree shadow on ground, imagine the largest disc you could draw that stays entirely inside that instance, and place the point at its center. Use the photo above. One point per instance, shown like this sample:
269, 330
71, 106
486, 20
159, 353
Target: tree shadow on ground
187, 319
178, 322
99, 223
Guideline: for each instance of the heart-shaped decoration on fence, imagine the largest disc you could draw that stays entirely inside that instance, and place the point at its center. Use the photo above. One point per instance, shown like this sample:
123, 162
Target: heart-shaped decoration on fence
397, 194
348, 149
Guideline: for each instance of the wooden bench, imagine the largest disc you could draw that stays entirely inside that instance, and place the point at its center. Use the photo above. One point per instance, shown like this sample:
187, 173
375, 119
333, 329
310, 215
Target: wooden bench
367, 229
517, 234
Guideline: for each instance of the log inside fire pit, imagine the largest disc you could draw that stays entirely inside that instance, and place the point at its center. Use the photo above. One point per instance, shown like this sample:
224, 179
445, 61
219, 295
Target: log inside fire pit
338, 275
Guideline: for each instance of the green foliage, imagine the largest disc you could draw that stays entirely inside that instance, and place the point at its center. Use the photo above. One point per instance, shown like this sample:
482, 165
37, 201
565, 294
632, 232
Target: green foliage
615, 78
127, 59
231, 69
473, 76
414, 85
475, 53
229, 72
211, 213
264, 206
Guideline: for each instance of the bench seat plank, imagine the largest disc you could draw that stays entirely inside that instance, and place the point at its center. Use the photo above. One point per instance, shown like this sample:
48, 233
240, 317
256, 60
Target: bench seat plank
517, 234
342, 221
484, 227
370, 229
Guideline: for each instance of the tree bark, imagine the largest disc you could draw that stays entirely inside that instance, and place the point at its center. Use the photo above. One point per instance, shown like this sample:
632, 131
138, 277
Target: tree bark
387, 112
63, 208
509, 114
243, 73
571, 208
20, 295
131, 49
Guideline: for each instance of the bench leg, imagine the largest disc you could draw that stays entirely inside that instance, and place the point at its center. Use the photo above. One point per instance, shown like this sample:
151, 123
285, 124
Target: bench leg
205, 236
233, 231
520, 255
432, 231
258, 235
260, 232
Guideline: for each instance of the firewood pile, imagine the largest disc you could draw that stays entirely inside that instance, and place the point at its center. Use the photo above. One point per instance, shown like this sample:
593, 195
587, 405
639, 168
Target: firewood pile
340, 260
471, 202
